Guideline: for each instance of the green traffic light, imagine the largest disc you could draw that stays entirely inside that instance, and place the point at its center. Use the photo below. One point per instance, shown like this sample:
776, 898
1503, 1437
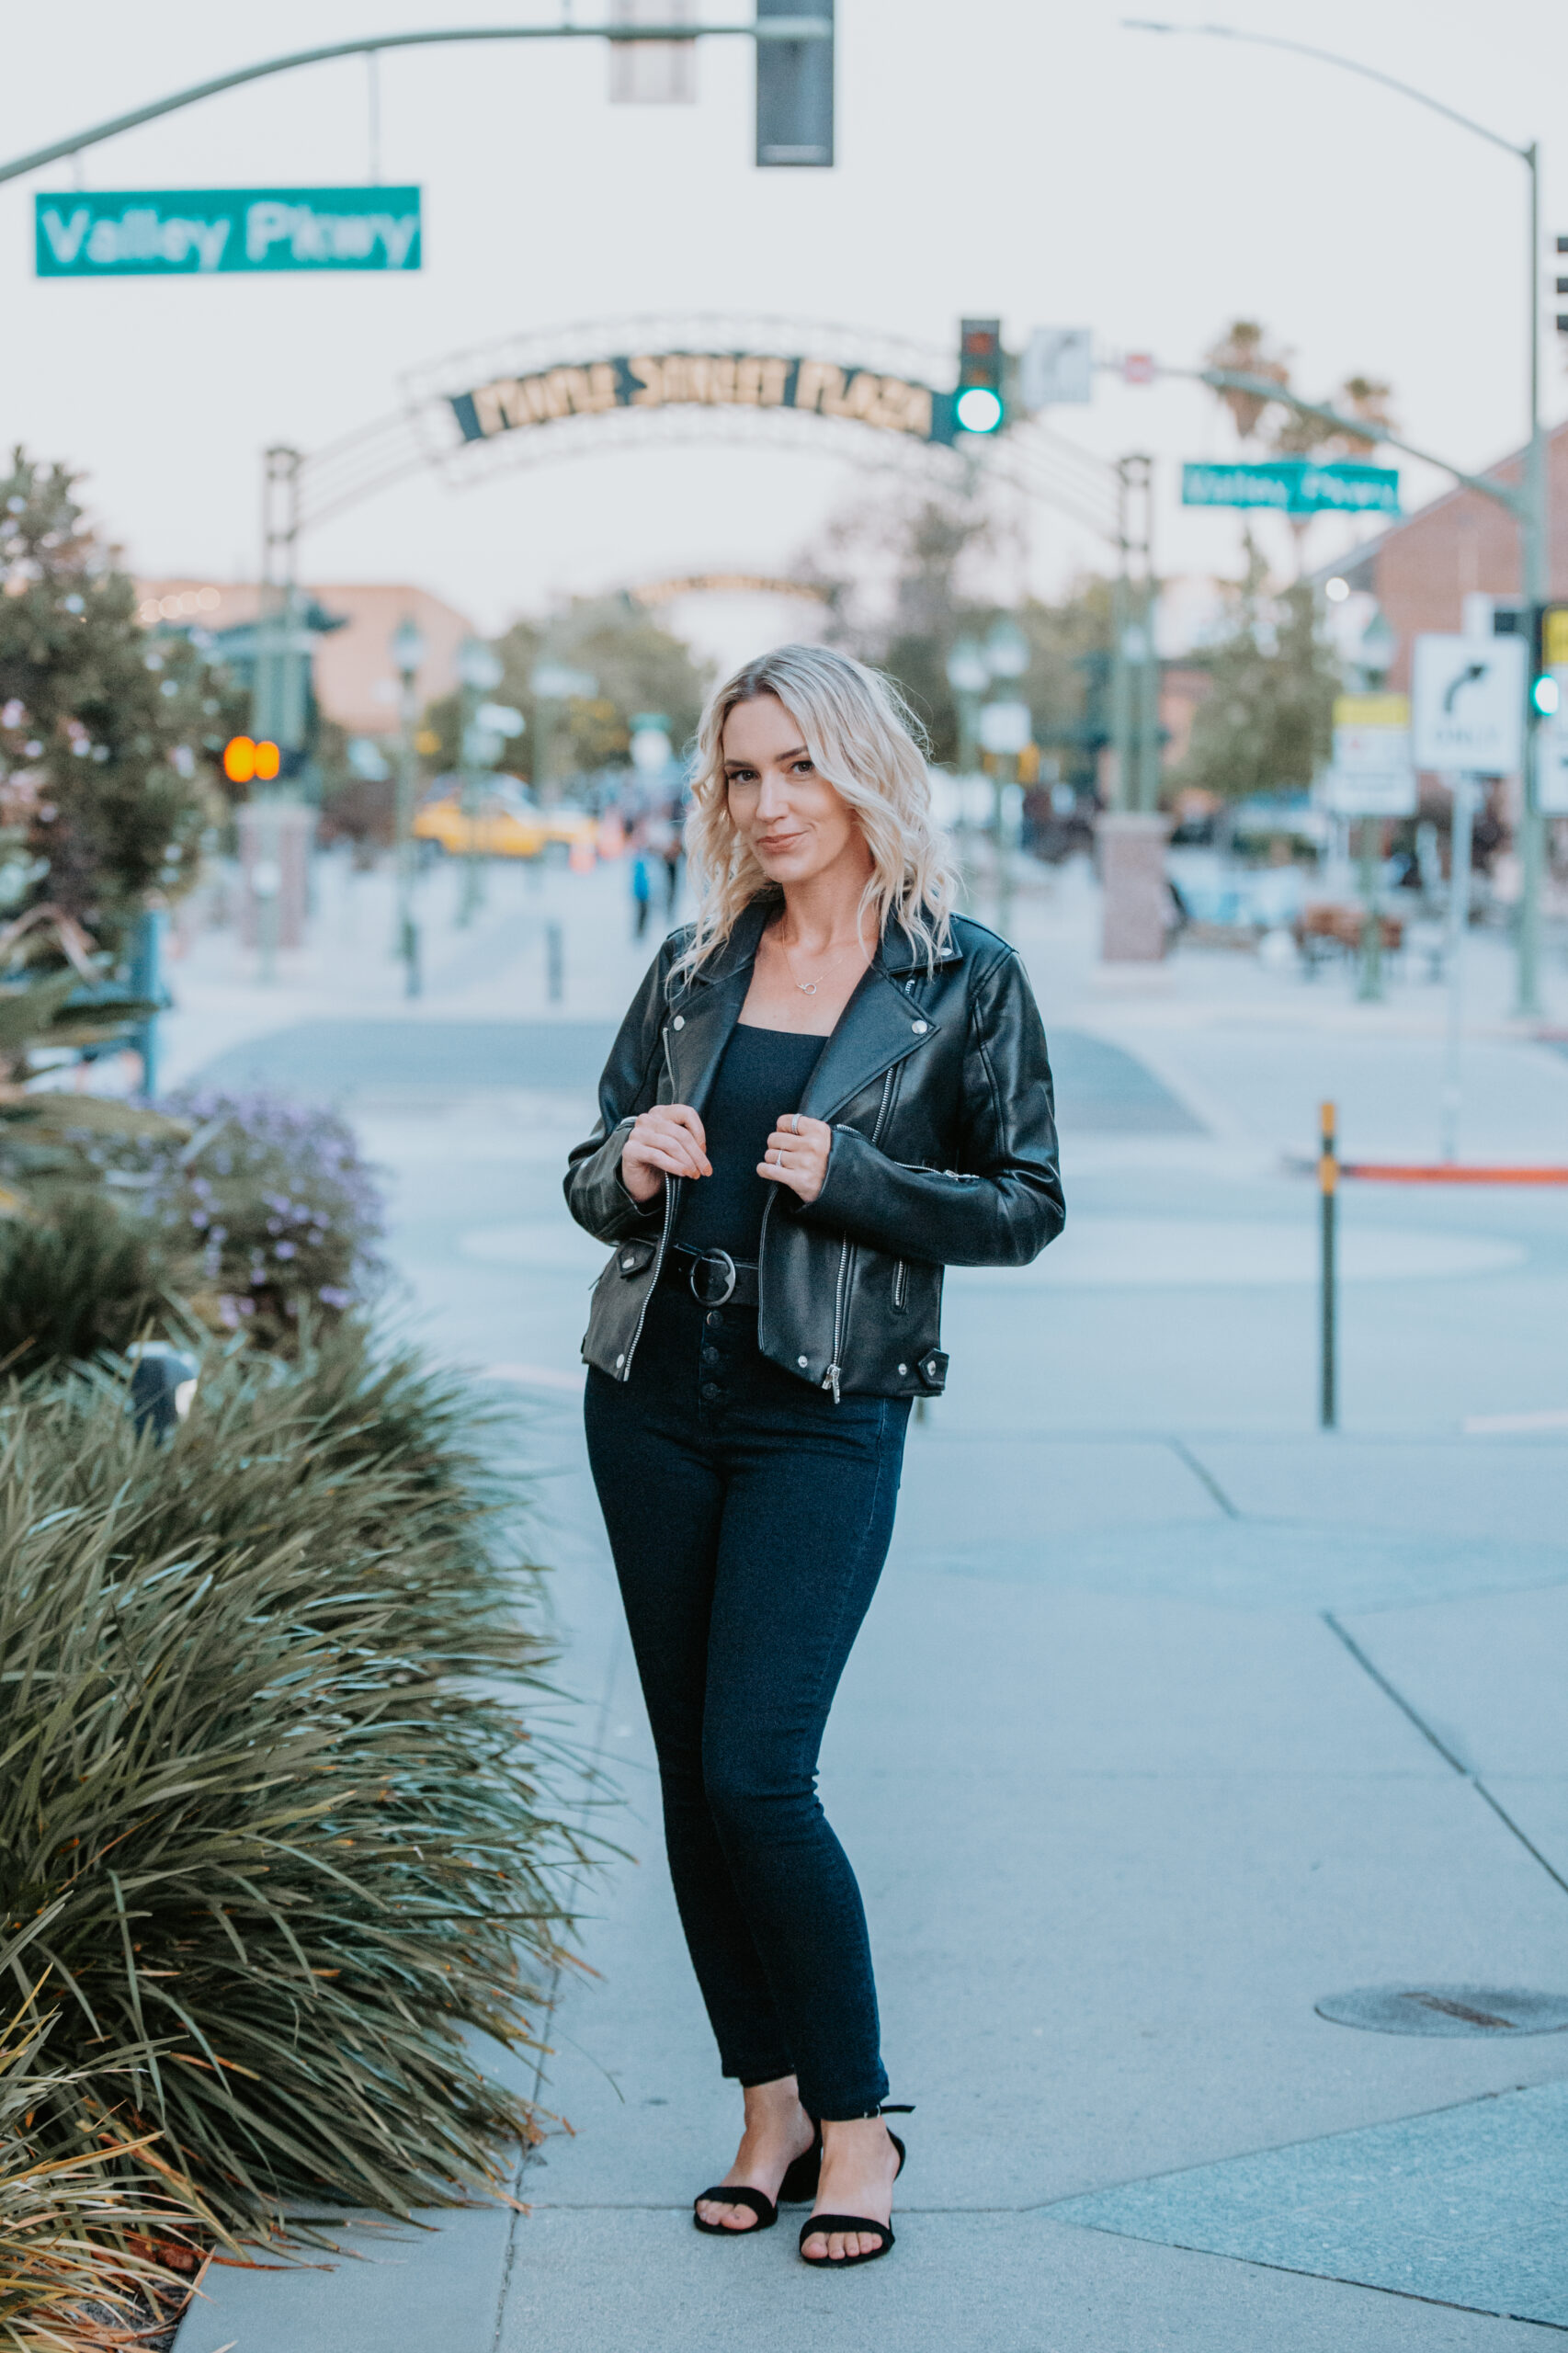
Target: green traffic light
978, 409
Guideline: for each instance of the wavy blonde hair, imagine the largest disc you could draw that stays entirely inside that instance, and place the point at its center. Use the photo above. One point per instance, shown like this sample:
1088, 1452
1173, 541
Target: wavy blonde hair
866, 742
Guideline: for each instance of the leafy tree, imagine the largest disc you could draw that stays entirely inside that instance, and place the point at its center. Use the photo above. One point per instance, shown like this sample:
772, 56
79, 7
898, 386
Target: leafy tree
928, 554
108, 736
1268, 721
636, 666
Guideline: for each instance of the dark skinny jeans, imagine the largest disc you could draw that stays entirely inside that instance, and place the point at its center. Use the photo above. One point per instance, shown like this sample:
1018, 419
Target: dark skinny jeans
749, 1517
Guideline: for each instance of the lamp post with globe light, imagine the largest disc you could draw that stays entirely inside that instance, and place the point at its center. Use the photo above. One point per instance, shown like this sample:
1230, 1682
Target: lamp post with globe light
407, 653
1005, 727
969, 677
479, 672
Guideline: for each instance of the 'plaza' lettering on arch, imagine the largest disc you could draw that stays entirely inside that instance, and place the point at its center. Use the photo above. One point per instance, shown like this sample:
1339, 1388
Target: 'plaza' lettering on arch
704, 378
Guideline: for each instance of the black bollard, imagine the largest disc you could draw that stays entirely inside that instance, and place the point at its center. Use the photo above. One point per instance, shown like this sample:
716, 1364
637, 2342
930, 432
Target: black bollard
162, 1382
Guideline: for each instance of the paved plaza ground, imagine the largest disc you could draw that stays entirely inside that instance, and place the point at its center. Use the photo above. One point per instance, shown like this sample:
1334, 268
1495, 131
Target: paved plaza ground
1174, 1716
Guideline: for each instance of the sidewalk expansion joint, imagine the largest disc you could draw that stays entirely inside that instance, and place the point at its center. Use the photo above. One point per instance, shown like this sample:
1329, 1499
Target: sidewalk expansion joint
1205, 1477
1455, 1763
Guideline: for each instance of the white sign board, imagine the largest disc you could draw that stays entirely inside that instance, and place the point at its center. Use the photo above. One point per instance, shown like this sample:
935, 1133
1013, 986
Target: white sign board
1056, 368
1467, 704
1374, 775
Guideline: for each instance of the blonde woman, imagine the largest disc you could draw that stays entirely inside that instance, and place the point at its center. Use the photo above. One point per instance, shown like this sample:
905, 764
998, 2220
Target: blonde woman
826, 1090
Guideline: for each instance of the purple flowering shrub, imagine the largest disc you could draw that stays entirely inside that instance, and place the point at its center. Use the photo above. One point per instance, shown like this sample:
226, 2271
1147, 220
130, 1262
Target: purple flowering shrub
274, 1199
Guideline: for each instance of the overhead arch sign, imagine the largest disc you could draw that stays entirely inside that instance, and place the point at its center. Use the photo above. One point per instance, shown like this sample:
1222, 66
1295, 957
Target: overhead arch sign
752, 379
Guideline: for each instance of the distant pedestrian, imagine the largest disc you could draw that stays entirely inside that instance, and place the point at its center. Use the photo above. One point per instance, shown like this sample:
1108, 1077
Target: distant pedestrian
641, 892
875, 1103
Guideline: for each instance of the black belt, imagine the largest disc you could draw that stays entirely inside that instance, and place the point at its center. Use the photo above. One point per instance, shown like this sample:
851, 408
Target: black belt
716, 1278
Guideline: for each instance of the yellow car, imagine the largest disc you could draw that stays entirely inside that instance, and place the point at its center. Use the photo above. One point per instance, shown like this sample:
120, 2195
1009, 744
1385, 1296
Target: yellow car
507, 823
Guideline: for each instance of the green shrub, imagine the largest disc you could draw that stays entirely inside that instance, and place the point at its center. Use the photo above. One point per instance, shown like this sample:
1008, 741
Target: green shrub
75, 1282
270, 1197
268, 1810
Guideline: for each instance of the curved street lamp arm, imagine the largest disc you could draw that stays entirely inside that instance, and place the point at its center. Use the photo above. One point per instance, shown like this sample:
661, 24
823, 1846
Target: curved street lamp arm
803, 28
1263, 388
1350, 65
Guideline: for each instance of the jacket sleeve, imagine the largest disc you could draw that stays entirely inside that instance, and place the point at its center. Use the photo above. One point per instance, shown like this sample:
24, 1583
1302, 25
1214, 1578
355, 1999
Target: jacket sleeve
1003, 1203
629, 1083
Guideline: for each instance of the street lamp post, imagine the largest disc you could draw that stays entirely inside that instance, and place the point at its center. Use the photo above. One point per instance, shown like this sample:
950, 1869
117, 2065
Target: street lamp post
968, 676
1533, 508
479, 672
408, 653
1007, 657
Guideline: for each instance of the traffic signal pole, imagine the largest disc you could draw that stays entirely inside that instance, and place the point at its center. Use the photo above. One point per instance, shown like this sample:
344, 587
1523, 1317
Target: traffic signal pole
810, 25
1531, 507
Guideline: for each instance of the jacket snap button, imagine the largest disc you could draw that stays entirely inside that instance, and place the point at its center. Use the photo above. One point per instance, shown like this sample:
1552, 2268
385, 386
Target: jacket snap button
803, 1362
919, 1028
619, 1362
903, 1367
628, 1262
679, 1021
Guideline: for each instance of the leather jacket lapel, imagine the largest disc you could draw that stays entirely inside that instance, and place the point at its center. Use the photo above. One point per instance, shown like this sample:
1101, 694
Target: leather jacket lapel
880, 1025
697, 1035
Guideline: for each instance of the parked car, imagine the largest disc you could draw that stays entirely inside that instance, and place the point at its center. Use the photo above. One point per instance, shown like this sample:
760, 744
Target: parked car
507, 821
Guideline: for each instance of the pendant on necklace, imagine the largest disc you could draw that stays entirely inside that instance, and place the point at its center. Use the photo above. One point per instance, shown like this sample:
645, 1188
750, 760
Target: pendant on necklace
807, 988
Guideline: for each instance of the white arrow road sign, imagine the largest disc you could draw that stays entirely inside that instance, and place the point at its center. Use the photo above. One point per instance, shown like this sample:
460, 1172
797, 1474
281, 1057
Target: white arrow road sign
1467, 704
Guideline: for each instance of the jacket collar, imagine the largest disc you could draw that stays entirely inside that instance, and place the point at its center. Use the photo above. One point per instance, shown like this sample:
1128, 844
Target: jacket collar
880, 1025
896, 953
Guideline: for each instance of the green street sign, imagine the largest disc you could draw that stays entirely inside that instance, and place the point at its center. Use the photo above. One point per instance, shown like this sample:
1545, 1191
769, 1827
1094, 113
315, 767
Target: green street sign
1294, 486
200, 232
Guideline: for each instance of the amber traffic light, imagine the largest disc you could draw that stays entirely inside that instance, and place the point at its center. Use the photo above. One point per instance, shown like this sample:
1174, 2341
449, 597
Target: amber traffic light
247, 762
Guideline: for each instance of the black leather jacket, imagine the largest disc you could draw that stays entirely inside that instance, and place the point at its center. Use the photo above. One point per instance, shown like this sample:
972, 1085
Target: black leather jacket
938, 1088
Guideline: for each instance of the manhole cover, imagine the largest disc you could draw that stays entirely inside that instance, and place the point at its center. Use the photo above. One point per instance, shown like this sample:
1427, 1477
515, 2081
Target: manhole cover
1497, 2010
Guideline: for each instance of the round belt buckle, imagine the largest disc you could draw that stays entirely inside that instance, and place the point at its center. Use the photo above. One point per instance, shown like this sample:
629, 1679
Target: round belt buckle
712, 1262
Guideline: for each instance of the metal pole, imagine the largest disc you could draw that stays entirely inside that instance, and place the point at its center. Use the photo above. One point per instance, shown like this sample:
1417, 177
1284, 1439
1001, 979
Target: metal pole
1004, 773
470, 897
1459, 926
1537, 588
1369, 987
1328, 1200
407, 929
146, 983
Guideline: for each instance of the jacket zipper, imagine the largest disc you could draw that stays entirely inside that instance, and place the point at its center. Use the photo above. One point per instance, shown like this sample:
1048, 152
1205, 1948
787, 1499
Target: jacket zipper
900, 1282
835, 1373
841, 1295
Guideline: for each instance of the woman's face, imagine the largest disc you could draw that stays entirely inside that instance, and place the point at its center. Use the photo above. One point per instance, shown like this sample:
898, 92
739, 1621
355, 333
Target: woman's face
796, 823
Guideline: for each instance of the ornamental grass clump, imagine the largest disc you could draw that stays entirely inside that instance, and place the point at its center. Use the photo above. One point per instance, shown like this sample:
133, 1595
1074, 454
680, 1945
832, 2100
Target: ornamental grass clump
277, 1788
96, 2247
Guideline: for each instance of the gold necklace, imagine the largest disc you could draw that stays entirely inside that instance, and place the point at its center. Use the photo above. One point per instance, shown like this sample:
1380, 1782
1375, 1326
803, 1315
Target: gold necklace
810, 988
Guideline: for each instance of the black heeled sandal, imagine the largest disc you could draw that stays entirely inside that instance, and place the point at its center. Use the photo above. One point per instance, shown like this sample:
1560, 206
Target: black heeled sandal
828, 2223
797, 2188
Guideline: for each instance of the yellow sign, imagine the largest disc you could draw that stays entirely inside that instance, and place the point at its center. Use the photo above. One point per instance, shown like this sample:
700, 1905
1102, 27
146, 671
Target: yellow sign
1371, 710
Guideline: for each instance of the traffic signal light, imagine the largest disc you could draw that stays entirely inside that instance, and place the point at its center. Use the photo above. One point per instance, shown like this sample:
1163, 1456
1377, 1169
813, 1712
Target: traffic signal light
1549, 656
978, 404
248, 762
794, 89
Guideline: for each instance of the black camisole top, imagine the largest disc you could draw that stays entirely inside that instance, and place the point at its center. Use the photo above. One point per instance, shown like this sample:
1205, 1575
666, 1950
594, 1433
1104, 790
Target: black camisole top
761, 1075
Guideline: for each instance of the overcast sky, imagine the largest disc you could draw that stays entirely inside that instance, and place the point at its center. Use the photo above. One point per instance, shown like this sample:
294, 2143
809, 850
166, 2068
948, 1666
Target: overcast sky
1024, 158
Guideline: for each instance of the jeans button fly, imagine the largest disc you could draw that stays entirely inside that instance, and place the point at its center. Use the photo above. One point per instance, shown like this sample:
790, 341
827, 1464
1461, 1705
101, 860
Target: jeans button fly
711, 1389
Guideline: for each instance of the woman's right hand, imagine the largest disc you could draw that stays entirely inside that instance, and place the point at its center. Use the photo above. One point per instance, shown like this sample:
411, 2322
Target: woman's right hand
665, 1142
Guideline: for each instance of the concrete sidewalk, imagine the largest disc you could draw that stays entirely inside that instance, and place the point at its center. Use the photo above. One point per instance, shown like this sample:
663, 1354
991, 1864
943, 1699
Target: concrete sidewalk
1172, 1718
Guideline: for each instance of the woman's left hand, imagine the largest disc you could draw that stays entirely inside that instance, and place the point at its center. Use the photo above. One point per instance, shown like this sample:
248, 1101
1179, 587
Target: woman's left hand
797, 1154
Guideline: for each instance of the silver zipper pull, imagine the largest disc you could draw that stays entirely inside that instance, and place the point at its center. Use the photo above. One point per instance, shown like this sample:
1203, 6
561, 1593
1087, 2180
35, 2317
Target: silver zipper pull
830, 1380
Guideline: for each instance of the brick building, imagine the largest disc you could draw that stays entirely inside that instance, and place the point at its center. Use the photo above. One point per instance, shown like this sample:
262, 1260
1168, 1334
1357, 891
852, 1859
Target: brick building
1420, 570
355, 681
